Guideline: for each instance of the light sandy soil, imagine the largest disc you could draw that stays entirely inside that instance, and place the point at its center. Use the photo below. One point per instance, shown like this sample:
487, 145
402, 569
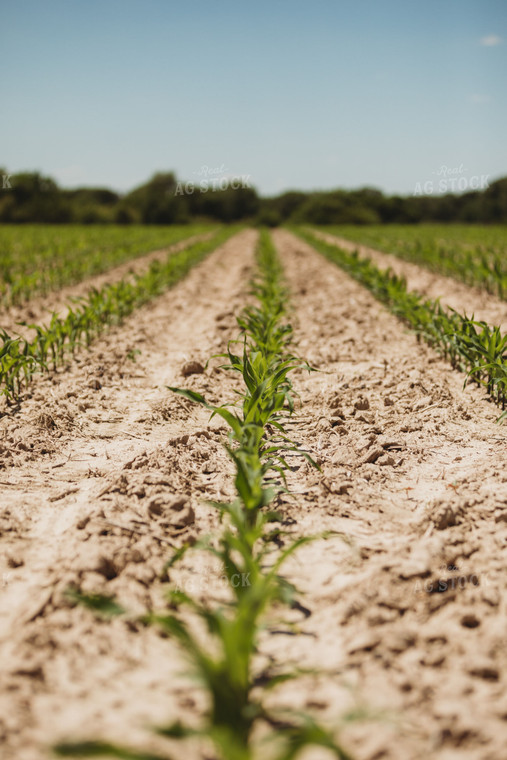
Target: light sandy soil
413, 474
40, 309
455, 294
413, 477
101, 471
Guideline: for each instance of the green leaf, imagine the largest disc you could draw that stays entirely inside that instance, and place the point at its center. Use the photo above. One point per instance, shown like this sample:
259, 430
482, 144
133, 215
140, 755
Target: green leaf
102, 605
103, 749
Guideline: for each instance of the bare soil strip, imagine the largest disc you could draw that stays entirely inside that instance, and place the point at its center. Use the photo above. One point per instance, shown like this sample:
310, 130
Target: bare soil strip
452, 293
410, 617
39, 310
101, 472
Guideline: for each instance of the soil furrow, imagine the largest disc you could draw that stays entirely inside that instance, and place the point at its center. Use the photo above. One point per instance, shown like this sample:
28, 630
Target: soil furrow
102, 470
453, 293
408, 614
39, 310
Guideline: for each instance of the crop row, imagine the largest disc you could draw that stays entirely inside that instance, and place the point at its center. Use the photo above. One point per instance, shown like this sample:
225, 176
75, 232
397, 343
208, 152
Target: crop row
471, 346
21, 358
258, 445
39, 259
475, 255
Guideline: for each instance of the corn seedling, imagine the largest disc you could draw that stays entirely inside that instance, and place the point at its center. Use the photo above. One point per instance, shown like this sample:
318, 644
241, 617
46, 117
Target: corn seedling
109, 305
257, 444
471, 346
38, 259
225, 670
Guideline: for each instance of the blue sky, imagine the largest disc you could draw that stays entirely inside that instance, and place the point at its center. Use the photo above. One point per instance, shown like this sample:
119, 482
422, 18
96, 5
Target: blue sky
295, 94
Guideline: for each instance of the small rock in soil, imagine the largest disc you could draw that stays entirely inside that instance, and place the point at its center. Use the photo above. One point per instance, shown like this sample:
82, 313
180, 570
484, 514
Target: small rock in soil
365, 642
183, 518
470, 621
373, 455
386, 460
484, 669
192, 368
14, 560
444, 518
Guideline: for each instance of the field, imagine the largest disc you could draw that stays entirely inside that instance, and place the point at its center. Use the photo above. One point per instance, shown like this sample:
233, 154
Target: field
473, 254
254, 493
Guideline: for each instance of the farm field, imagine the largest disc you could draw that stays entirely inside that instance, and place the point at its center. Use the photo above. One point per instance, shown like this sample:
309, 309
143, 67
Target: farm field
397, 624
477, 255
63, 324
472, 342
38, 259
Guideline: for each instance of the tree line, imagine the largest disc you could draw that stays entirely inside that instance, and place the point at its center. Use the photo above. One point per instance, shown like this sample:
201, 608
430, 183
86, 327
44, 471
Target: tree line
31, 197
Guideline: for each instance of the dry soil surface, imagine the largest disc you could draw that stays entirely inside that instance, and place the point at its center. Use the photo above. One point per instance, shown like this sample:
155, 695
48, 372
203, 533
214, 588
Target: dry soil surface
408, 613
403, 610
101, 471
453, 293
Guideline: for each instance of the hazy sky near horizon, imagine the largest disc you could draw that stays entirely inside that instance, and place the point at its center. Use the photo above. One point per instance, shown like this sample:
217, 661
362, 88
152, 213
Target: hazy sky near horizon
308, 95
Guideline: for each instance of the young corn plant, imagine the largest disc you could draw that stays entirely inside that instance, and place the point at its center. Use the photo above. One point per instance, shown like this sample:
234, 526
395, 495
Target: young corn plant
109, 305
471, 346
258, 453
487, 351
235, 688
226, 668
258, 440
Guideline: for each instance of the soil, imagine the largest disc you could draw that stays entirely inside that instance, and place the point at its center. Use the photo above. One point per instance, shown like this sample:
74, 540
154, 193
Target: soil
457, 295
403, 607
40, 309
408, 609
102, 471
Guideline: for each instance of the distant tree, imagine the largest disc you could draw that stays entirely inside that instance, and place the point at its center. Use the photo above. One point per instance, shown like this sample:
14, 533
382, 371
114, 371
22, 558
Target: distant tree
495, 201
230, 205
125, 215
336, 207
34, 198
269, 217
287, 204
156, 202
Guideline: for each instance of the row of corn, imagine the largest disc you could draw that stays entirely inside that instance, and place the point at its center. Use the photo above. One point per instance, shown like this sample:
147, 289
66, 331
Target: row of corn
38, 259
476, 255
88, 317
247, 548
472, 346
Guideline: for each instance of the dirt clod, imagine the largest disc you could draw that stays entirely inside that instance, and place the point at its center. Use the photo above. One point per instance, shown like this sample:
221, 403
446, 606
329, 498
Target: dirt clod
192, 368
